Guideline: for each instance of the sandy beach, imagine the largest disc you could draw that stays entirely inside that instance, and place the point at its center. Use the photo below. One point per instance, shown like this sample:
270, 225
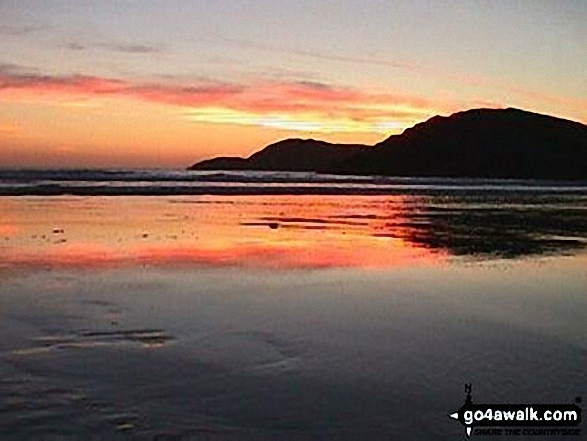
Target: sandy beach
306, 317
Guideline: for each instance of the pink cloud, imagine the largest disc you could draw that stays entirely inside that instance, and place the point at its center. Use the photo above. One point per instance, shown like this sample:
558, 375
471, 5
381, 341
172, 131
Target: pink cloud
259, 98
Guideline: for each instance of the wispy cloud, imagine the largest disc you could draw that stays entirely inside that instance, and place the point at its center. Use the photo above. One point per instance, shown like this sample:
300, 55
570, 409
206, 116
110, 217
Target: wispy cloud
76, 46
18, 31
133, 48
126, 48
15, 70
317, 54
294, 105
21, 78
468, 79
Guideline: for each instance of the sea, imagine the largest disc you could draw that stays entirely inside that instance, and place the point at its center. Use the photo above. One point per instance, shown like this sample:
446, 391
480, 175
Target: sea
182, 182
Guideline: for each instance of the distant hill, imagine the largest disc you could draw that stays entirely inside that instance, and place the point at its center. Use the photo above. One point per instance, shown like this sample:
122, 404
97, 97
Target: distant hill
489, 143
289, 155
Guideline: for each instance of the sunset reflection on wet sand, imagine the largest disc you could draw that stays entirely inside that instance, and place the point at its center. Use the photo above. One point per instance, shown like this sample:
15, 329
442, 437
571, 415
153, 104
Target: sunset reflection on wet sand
286, 317
285, 232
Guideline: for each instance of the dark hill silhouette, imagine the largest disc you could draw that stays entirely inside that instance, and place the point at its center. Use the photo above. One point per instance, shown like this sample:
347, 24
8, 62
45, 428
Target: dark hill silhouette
289, 155
491, 143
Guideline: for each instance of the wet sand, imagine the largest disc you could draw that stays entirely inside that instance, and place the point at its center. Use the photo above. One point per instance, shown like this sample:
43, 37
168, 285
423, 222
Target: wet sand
304, 317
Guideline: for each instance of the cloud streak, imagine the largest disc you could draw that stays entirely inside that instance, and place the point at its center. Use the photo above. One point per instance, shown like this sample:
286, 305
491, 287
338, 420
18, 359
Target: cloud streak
139, 49
302, 106
133, 48
76, 47
247, 44
19, 31
412, 68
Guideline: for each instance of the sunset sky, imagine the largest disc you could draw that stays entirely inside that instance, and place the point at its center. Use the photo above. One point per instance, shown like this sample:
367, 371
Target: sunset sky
164, 83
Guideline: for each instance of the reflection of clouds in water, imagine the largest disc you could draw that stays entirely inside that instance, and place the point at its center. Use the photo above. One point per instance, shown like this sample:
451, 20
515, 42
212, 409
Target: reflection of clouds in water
484, 225
160, 231
302, 231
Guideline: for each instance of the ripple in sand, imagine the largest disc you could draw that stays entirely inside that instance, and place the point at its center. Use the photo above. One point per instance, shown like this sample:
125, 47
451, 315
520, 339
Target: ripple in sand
251, 351
147, 338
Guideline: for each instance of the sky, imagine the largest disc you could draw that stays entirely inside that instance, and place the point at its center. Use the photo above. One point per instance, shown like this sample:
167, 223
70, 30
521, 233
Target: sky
165, 83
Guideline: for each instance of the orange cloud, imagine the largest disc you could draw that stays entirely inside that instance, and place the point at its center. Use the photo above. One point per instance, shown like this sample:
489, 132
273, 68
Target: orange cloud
301, 105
